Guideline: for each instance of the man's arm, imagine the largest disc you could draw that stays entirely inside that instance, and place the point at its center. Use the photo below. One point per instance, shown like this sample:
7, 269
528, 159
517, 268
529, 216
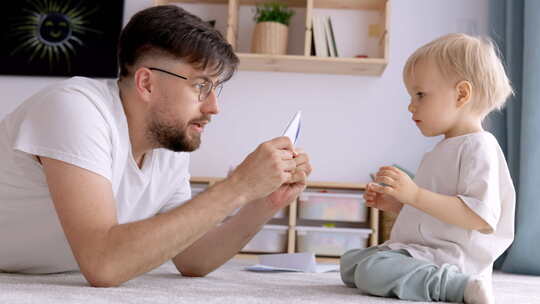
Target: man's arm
109, 253
222, 243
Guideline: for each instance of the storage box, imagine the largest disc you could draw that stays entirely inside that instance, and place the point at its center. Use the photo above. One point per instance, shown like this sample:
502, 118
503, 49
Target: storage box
271, 239
330, 241
332, 206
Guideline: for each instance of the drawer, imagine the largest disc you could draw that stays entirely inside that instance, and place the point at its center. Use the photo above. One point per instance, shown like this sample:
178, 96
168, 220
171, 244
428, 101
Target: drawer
271, 238
332, 207
330, 241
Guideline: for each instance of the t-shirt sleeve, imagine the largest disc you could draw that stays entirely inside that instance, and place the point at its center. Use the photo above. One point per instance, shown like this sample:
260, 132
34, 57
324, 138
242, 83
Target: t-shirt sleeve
182, 192
478, 185
67, 126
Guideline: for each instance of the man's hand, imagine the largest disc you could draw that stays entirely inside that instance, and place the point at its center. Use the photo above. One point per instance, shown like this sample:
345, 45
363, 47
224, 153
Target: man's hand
381, 201
267, 168
397, 184
288, 192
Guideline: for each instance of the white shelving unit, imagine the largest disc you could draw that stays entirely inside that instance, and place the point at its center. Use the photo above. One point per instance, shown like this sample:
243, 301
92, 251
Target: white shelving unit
292, 221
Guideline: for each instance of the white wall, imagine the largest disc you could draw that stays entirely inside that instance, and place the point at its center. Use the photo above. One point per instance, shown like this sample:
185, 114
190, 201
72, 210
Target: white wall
351, 124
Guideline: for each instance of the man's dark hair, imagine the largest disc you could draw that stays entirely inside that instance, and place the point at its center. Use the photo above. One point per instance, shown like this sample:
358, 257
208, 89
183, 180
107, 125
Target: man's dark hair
170, 30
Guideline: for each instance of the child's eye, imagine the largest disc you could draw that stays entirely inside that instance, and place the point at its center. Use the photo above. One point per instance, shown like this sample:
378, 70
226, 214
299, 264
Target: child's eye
420, 94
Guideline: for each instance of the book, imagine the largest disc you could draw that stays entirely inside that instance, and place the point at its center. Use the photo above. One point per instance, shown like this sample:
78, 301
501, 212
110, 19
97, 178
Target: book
323, 41
319, 36
329, 44
312, 53
332, 38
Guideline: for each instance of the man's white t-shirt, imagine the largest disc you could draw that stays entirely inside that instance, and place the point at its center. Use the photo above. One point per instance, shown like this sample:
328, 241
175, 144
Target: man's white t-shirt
82, 122
473, 168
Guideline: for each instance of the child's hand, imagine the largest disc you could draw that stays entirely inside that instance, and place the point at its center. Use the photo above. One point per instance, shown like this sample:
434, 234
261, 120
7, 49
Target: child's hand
397, 184
380, 201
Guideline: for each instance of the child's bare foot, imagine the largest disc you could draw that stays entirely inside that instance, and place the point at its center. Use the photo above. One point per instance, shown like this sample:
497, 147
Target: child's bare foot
478, 291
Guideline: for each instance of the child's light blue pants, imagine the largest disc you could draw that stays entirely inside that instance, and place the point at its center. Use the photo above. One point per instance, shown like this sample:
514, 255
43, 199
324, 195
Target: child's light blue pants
394, 273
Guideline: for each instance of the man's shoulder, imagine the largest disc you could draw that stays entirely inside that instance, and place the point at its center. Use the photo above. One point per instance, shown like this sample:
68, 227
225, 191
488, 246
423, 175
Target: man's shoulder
80, 81
78, 95
73, 92
102, 90
74, 96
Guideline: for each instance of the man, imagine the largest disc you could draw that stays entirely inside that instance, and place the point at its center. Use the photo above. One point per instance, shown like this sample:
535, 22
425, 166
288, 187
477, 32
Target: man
89, 177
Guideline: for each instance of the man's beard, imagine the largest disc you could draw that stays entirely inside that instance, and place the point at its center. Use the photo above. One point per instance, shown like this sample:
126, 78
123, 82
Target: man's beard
172, 138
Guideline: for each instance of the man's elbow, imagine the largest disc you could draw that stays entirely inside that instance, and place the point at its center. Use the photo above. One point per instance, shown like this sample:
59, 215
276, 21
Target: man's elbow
194, 272
102, 278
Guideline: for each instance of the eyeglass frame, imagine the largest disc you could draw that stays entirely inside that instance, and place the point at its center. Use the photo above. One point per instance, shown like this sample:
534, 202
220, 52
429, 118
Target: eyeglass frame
217, 88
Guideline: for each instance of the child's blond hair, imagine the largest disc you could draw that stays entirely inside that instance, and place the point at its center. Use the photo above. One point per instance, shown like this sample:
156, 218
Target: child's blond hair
463, 57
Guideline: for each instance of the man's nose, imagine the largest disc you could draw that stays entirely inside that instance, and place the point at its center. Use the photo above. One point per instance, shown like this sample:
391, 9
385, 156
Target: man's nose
210, 104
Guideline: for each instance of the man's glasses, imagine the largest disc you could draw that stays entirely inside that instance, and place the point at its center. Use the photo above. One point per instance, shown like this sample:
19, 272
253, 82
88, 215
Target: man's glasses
204, 87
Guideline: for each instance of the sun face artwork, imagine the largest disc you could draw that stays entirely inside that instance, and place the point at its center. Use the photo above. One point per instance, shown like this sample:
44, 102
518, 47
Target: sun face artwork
60, 37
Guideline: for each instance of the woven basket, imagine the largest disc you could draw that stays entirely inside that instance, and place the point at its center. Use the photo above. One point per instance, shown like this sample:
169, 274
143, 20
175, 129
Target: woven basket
269, 38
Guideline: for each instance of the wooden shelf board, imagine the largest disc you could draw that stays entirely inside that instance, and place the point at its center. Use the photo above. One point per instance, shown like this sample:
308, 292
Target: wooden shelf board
336, 185
164, 2
310, 184
312, 64
332, 4
337, 224
350, 4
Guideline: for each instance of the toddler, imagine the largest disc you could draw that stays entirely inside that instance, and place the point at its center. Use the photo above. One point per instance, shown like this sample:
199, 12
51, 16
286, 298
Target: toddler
457, 216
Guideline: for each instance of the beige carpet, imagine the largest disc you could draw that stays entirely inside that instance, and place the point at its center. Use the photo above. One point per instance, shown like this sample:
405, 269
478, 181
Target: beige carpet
229, 284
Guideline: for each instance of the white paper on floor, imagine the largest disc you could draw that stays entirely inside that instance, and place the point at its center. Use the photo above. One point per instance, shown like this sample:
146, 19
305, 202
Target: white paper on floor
296, 262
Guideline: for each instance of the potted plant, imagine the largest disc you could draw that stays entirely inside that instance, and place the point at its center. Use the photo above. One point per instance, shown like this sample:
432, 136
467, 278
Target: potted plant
271, 29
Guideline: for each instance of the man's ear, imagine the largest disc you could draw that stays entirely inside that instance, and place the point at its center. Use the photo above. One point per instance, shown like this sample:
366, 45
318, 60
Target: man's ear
464, 93
143, 83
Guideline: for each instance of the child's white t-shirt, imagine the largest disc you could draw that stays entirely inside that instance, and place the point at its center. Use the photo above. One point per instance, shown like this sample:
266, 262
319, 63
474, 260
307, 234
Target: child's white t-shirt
473, 168
82, 122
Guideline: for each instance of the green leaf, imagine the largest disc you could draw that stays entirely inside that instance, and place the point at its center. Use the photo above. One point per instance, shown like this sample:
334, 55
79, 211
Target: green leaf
273, 12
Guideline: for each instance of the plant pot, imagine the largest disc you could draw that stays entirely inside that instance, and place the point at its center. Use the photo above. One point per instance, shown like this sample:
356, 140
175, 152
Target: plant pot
270, 38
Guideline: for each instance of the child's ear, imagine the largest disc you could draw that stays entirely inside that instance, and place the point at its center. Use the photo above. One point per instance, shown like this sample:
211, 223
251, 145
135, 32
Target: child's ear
464, 91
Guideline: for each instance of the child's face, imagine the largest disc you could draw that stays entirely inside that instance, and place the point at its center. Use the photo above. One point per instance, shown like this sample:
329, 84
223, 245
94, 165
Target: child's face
433, 99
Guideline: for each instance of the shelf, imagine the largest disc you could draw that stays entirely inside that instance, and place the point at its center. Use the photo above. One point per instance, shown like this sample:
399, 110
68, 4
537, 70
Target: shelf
336, 185
312, 64
310, 184
373, 66
292, 219
336, 224
338, 4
